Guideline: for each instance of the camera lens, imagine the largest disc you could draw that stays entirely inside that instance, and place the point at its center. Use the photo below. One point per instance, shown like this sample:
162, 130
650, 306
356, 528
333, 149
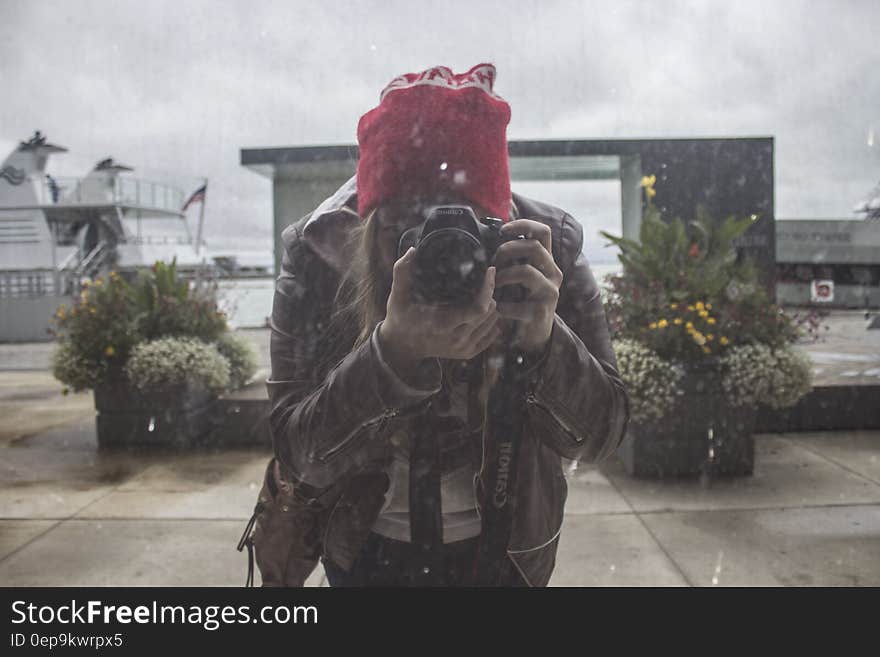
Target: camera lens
450, 266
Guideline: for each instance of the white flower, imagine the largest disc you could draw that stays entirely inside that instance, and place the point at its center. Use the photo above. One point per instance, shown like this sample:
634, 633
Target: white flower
757, 374
170, 361
651, 382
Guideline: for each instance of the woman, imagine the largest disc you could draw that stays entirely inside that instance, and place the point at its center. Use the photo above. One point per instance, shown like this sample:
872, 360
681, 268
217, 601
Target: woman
379, 401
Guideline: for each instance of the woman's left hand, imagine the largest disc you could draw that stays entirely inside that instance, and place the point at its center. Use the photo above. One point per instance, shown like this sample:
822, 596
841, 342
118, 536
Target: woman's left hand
529, 262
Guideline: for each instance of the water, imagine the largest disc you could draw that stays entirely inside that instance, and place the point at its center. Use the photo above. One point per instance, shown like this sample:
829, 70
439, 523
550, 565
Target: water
248, 302
602, 269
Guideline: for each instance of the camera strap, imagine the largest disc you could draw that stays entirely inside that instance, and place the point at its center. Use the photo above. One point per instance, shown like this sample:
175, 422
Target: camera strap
505, 425
425, 514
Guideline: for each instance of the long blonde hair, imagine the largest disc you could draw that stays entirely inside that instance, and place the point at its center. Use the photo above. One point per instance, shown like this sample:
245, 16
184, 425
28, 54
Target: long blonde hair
364, 287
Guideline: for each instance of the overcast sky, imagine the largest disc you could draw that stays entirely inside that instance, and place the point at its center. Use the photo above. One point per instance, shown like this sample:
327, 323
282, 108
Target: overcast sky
180, 87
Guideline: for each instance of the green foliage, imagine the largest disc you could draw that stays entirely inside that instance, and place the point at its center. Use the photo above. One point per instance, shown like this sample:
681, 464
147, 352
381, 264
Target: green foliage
686, 294
689, 261
686, 299
241, 355
110, 318
176, 360
166, 305
96, 334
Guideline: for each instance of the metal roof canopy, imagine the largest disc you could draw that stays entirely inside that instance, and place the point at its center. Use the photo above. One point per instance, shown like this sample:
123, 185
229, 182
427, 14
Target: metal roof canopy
562, 159
727, 175
338, 161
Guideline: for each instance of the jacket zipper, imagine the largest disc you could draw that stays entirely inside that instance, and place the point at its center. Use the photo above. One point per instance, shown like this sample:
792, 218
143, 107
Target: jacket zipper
533, 401
340, 447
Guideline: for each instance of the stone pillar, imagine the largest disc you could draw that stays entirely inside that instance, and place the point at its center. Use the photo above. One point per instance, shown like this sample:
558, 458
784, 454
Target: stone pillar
293, 198
631, 195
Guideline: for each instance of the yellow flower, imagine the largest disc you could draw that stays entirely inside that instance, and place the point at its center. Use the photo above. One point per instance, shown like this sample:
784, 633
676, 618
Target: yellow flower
648, 181
689, 326
109, 351
662, 323
699, 338
673, 305
699, 305
706, 350
651, 192
677, 321
691, 308
708, 306
86, 283
724, 340
652, 325
704, 313
710, 320
710, 336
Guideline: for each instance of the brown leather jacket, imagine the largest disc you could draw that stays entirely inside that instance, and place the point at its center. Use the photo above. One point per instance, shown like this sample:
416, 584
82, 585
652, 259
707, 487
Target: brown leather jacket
331, 426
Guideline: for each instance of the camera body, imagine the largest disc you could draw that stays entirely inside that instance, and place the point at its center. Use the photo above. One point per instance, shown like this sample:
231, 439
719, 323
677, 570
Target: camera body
453, 251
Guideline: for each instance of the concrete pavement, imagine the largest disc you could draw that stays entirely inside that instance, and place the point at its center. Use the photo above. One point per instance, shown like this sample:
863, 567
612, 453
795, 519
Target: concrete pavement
71, 515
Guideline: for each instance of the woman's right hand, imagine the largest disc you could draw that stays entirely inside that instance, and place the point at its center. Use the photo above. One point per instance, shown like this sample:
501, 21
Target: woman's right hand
413, 332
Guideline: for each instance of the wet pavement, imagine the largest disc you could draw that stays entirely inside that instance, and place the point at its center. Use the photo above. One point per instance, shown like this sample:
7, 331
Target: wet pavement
848, 353
74, 515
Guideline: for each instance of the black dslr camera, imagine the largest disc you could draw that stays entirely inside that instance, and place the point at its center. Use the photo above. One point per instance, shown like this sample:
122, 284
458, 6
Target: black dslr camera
453, 251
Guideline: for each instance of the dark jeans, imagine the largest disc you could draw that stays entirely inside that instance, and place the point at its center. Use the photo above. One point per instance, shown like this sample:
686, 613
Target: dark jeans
386, 562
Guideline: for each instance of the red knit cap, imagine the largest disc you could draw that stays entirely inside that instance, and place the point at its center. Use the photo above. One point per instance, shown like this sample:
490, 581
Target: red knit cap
435, 132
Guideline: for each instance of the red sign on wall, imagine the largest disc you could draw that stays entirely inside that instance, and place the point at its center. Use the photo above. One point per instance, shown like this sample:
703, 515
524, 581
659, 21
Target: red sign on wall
822, 291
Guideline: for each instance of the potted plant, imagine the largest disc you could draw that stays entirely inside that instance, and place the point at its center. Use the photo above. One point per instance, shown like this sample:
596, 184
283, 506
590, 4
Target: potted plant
699, 345
157, 352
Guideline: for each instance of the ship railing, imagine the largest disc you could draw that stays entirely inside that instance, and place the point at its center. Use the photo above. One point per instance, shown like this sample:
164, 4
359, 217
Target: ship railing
92, 260
162, 239
135, 192
64, 280
69, 262
32, 284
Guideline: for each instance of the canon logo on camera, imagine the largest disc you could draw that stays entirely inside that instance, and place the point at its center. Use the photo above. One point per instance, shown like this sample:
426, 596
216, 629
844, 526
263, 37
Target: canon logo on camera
450, 211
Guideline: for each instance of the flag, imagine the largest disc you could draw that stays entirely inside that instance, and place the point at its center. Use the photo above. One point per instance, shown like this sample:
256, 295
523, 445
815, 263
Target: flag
198, 196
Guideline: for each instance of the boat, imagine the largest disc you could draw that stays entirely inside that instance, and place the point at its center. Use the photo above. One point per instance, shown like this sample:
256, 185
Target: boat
57, 233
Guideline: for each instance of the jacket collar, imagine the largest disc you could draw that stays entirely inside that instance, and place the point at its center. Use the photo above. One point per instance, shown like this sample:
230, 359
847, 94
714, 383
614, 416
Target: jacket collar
327, 229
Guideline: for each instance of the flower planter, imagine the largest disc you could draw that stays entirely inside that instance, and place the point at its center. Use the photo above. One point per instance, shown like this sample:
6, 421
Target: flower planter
699, 343
173, 416
703, 434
